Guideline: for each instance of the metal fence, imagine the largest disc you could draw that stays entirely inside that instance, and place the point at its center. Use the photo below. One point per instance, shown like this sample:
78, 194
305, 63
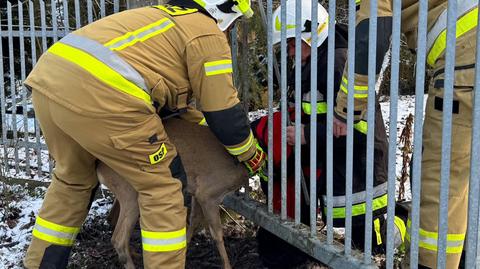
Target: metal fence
27, 28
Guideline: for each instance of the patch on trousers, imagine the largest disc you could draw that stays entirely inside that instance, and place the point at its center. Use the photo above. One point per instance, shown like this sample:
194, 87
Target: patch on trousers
55, 257
158, 155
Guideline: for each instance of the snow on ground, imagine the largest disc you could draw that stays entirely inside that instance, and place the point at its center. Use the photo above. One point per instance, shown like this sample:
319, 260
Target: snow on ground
15, 235
17, 218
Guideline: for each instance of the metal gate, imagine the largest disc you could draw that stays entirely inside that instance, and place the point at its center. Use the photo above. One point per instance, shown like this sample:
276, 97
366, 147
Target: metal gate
28, 28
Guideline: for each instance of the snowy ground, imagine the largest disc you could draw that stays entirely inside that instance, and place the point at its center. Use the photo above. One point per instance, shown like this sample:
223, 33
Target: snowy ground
21, 204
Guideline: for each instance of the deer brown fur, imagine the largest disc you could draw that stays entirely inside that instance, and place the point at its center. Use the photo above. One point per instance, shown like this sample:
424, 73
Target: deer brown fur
211, 174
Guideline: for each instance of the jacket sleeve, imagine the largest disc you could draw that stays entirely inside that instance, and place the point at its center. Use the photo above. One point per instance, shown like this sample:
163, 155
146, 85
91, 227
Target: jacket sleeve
384, 29
209, 64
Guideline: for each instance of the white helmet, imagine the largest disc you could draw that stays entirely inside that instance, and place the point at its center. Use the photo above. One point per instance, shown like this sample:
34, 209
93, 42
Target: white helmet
226, 11
306, 22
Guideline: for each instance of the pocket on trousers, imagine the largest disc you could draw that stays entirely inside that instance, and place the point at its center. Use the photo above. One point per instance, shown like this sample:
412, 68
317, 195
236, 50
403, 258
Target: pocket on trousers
147, 145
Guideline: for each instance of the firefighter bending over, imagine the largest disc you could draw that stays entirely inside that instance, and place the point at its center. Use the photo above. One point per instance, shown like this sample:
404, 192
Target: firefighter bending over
97, 92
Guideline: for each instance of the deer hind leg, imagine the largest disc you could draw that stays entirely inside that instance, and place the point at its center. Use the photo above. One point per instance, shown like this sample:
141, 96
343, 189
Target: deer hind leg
212, 216
195, 219
128, 217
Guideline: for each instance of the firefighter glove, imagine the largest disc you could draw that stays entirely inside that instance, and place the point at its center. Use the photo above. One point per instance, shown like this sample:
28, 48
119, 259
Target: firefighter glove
257, 164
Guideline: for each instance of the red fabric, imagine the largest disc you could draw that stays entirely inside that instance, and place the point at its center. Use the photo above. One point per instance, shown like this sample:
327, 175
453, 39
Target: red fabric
262, 134
277, 197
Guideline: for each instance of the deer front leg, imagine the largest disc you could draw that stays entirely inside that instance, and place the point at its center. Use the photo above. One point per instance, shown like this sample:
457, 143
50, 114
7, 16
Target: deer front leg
212, 216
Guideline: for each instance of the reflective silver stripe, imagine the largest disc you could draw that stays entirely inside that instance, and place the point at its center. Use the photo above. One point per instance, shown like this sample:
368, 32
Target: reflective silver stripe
45, 230
108, 57
140, 35
163, 242
306, 97
441, 23
433, 241
358, 197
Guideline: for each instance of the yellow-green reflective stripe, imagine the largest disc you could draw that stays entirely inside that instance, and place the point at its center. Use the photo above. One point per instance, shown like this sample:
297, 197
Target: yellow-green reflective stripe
464, 24
164, 241
141, 34
401, 227
55, 233
428, 240
203, 122
357, 2
321, 108
242, 149
376, 225
359, 90
218, 67
99, 70
56, 227
361, 126
360, 209
278, 25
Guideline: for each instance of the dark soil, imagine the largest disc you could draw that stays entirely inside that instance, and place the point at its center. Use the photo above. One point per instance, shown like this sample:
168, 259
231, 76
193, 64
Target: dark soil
94, 250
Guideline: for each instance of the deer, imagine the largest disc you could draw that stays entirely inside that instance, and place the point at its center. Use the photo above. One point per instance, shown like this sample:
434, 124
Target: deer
211, 174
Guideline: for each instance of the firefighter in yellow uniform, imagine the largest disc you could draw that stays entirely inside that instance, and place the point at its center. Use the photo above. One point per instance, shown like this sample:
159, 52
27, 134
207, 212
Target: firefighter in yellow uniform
96, 93
466, 24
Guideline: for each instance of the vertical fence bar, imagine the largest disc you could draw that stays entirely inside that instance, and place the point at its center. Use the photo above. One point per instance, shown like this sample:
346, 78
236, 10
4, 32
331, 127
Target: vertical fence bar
23, 90
245, 66
283, 106
90, 10
116, 6
372, 47
31, 13
234, 45
53, 4
2, 100
418, 132
37, 124
102, 8
392, 145
66, 19
313, 122
33, 49
270, 103
473, 199
78, 22
43, 22
13, 89
446, 134
349, 161
330, 105
298, 104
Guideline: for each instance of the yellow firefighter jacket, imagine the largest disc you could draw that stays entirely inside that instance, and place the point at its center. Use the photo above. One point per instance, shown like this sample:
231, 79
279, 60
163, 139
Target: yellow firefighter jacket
138, 60
467, 11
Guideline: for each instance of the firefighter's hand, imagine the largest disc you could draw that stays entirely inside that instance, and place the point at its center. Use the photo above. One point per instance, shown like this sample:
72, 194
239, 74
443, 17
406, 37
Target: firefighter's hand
257, 164
339, 127
291, 135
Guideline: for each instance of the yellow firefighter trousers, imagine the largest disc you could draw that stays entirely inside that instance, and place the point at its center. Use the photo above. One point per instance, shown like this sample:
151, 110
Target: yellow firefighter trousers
76, 142
460, 159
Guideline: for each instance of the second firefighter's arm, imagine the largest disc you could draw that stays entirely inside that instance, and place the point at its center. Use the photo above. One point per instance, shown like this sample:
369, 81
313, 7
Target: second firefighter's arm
384, 29
210, 71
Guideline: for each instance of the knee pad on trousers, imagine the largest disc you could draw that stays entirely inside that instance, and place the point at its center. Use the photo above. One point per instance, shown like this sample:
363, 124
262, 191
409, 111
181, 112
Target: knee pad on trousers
55, 257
